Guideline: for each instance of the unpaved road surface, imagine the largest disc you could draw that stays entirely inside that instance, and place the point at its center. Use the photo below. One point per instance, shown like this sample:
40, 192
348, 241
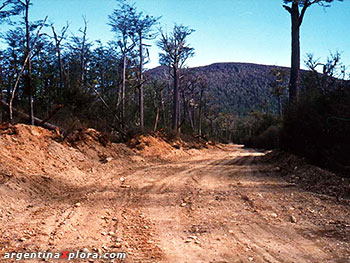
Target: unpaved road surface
217, 206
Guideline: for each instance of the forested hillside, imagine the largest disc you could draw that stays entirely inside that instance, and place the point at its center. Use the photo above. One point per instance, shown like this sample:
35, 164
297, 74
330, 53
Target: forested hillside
234, 87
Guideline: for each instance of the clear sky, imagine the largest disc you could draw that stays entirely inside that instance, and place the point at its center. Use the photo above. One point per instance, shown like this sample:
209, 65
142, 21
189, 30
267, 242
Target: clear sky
256, 31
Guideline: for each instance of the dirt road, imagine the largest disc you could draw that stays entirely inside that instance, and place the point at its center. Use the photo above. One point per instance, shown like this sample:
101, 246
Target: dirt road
217, 206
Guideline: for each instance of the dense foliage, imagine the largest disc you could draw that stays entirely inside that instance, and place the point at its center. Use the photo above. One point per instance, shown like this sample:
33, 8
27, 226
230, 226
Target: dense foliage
318, 126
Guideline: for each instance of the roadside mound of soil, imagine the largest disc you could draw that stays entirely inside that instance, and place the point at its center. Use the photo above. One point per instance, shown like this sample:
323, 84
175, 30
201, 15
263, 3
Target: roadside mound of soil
96, 146
311, 178
163, 145
35, 161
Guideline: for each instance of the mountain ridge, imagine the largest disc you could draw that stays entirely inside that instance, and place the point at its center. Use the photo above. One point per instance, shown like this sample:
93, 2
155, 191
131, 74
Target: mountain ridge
237, 87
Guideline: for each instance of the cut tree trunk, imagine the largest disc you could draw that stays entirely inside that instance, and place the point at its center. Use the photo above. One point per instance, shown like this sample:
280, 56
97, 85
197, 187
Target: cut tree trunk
156, 121
37, 121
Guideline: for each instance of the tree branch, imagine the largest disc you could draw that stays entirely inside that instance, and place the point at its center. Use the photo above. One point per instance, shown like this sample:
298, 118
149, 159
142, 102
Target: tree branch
306, 5
23, 67
288, 8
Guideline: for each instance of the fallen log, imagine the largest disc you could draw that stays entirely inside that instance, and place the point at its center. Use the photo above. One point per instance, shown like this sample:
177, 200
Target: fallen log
37, 121
51, 114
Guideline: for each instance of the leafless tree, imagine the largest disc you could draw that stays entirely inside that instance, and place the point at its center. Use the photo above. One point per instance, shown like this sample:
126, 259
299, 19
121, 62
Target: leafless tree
175, 53
297, 9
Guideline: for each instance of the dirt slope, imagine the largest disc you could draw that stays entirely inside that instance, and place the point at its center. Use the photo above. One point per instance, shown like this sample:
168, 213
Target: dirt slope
214, 205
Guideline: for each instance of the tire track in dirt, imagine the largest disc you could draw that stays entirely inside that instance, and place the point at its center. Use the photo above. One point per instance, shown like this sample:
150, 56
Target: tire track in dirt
219, 206
233, 204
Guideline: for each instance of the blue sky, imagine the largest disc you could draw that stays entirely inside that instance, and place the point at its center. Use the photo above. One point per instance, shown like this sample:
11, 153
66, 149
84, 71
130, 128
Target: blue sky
256, 31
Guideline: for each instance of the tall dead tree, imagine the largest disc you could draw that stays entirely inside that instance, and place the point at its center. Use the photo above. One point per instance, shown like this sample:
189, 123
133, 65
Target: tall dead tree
175, 53
143, 28
297, 9
122, 22
25, 63
58, 39
28, 75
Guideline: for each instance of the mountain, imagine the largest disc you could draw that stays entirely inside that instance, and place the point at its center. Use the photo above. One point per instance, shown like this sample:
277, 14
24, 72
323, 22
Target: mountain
235, 87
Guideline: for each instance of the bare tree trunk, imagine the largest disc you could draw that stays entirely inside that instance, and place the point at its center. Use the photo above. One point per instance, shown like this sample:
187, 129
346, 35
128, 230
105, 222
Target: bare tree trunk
28, 81
295, 62
141, 112
58, 41
200, 112
82, 55
156, 121
176, 105
279, 105
27, 59
122, 112
163, 108
187, 111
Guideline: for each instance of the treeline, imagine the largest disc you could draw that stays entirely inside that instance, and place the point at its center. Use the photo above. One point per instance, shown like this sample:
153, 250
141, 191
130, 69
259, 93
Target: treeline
105, 86
99, 85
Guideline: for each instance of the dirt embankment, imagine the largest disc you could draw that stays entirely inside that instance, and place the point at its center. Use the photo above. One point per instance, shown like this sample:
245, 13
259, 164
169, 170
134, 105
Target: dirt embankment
311, 178
165, 200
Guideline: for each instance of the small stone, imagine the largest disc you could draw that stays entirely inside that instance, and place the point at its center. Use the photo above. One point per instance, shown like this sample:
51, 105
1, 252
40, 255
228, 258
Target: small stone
85, 250
111, 233
77, 205
188, 240
117, 245
230, 231
114, 219
146, 227
70, 215
22, 239
122, 179
150, 242
183, 204
274, 215
293, 219
197, 242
